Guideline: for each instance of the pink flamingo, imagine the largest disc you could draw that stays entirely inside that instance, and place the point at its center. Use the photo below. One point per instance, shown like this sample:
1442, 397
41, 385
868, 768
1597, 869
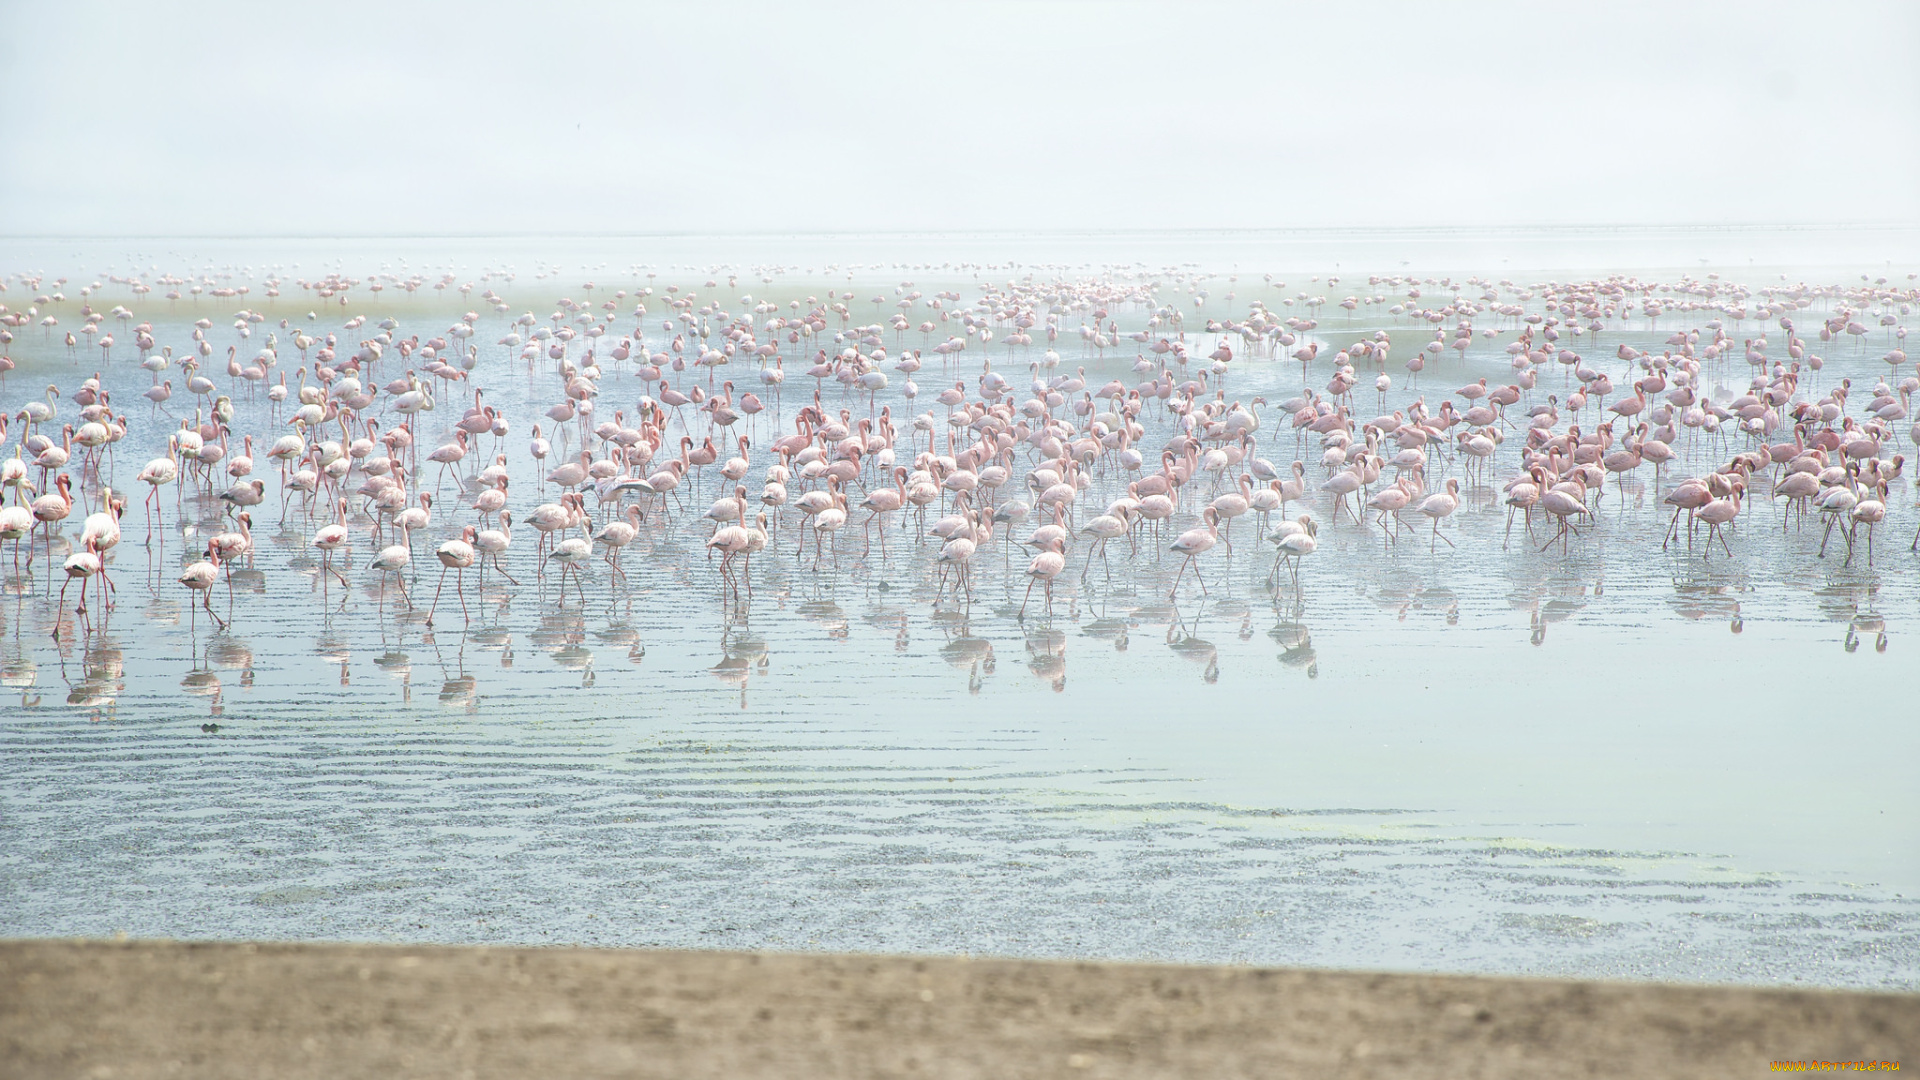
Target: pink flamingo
1193, 543
455, 555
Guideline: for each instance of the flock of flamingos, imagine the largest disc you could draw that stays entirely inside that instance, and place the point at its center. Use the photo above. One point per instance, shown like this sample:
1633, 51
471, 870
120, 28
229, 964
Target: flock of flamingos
778, 429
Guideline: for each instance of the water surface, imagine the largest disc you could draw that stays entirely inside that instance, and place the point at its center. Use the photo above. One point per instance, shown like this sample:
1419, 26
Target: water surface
1616, 761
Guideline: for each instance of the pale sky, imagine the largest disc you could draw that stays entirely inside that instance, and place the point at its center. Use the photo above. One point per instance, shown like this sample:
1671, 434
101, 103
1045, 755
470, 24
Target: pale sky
396, 118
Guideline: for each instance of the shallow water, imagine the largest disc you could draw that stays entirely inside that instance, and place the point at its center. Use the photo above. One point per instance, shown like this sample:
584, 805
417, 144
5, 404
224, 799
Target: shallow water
1485, 757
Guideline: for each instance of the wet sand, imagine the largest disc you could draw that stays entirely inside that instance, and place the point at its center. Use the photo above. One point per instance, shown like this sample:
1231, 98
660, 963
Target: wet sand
96, 1009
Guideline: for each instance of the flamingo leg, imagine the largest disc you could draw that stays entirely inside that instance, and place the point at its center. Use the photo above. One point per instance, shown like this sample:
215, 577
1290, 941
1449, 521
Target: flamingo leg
503, 570
59, 607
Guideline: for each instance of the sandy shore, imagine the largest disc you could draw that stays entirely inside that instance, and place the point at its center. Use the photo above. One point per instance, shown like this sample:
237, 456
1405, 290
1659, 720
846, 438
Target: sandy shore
92, 1009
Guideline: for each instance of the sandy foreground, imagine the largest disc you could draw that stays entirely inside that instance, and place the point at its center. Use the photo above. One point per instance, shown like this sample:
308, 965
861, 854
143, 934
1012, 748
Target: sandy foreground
139, 1009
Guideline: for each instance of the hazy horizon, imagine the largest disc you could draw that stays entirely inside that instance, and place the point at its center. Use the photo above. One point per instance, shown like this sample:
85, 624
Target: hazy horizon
362, 120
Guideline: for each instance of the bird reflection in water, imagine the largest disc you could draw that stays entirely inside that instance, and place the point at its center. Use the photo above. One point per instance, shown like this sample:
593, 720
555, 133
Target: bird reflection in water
562, 633
232, 654
964, 650
17, 583
1109, 628
457, 688
623, 635
557, 629
495, 639
162, 608
399, 665
248, 581
742, 657
1551, 601
828, 614
1709, 597
575, 658
103, 677
1443, 600
201, 681
1296, 647
19, 671
1863, 625
1184, 639
1047, 657
884, 619
332, 648
1847, 599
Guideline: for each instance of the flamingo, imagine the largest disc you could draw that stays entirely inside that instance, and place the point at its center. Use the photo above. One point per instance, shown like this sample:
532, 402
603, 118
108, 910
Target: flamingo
16, 522
199, 577
80, 566
493, 543
393, 560
956, 561
1042, 570
1103, 528
570, 554
331, 538
617, 534
1194, 543
730, 541
883, 500
1439, 505
100, 533
455, 555
1721, 512
1295, 540
51, 509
